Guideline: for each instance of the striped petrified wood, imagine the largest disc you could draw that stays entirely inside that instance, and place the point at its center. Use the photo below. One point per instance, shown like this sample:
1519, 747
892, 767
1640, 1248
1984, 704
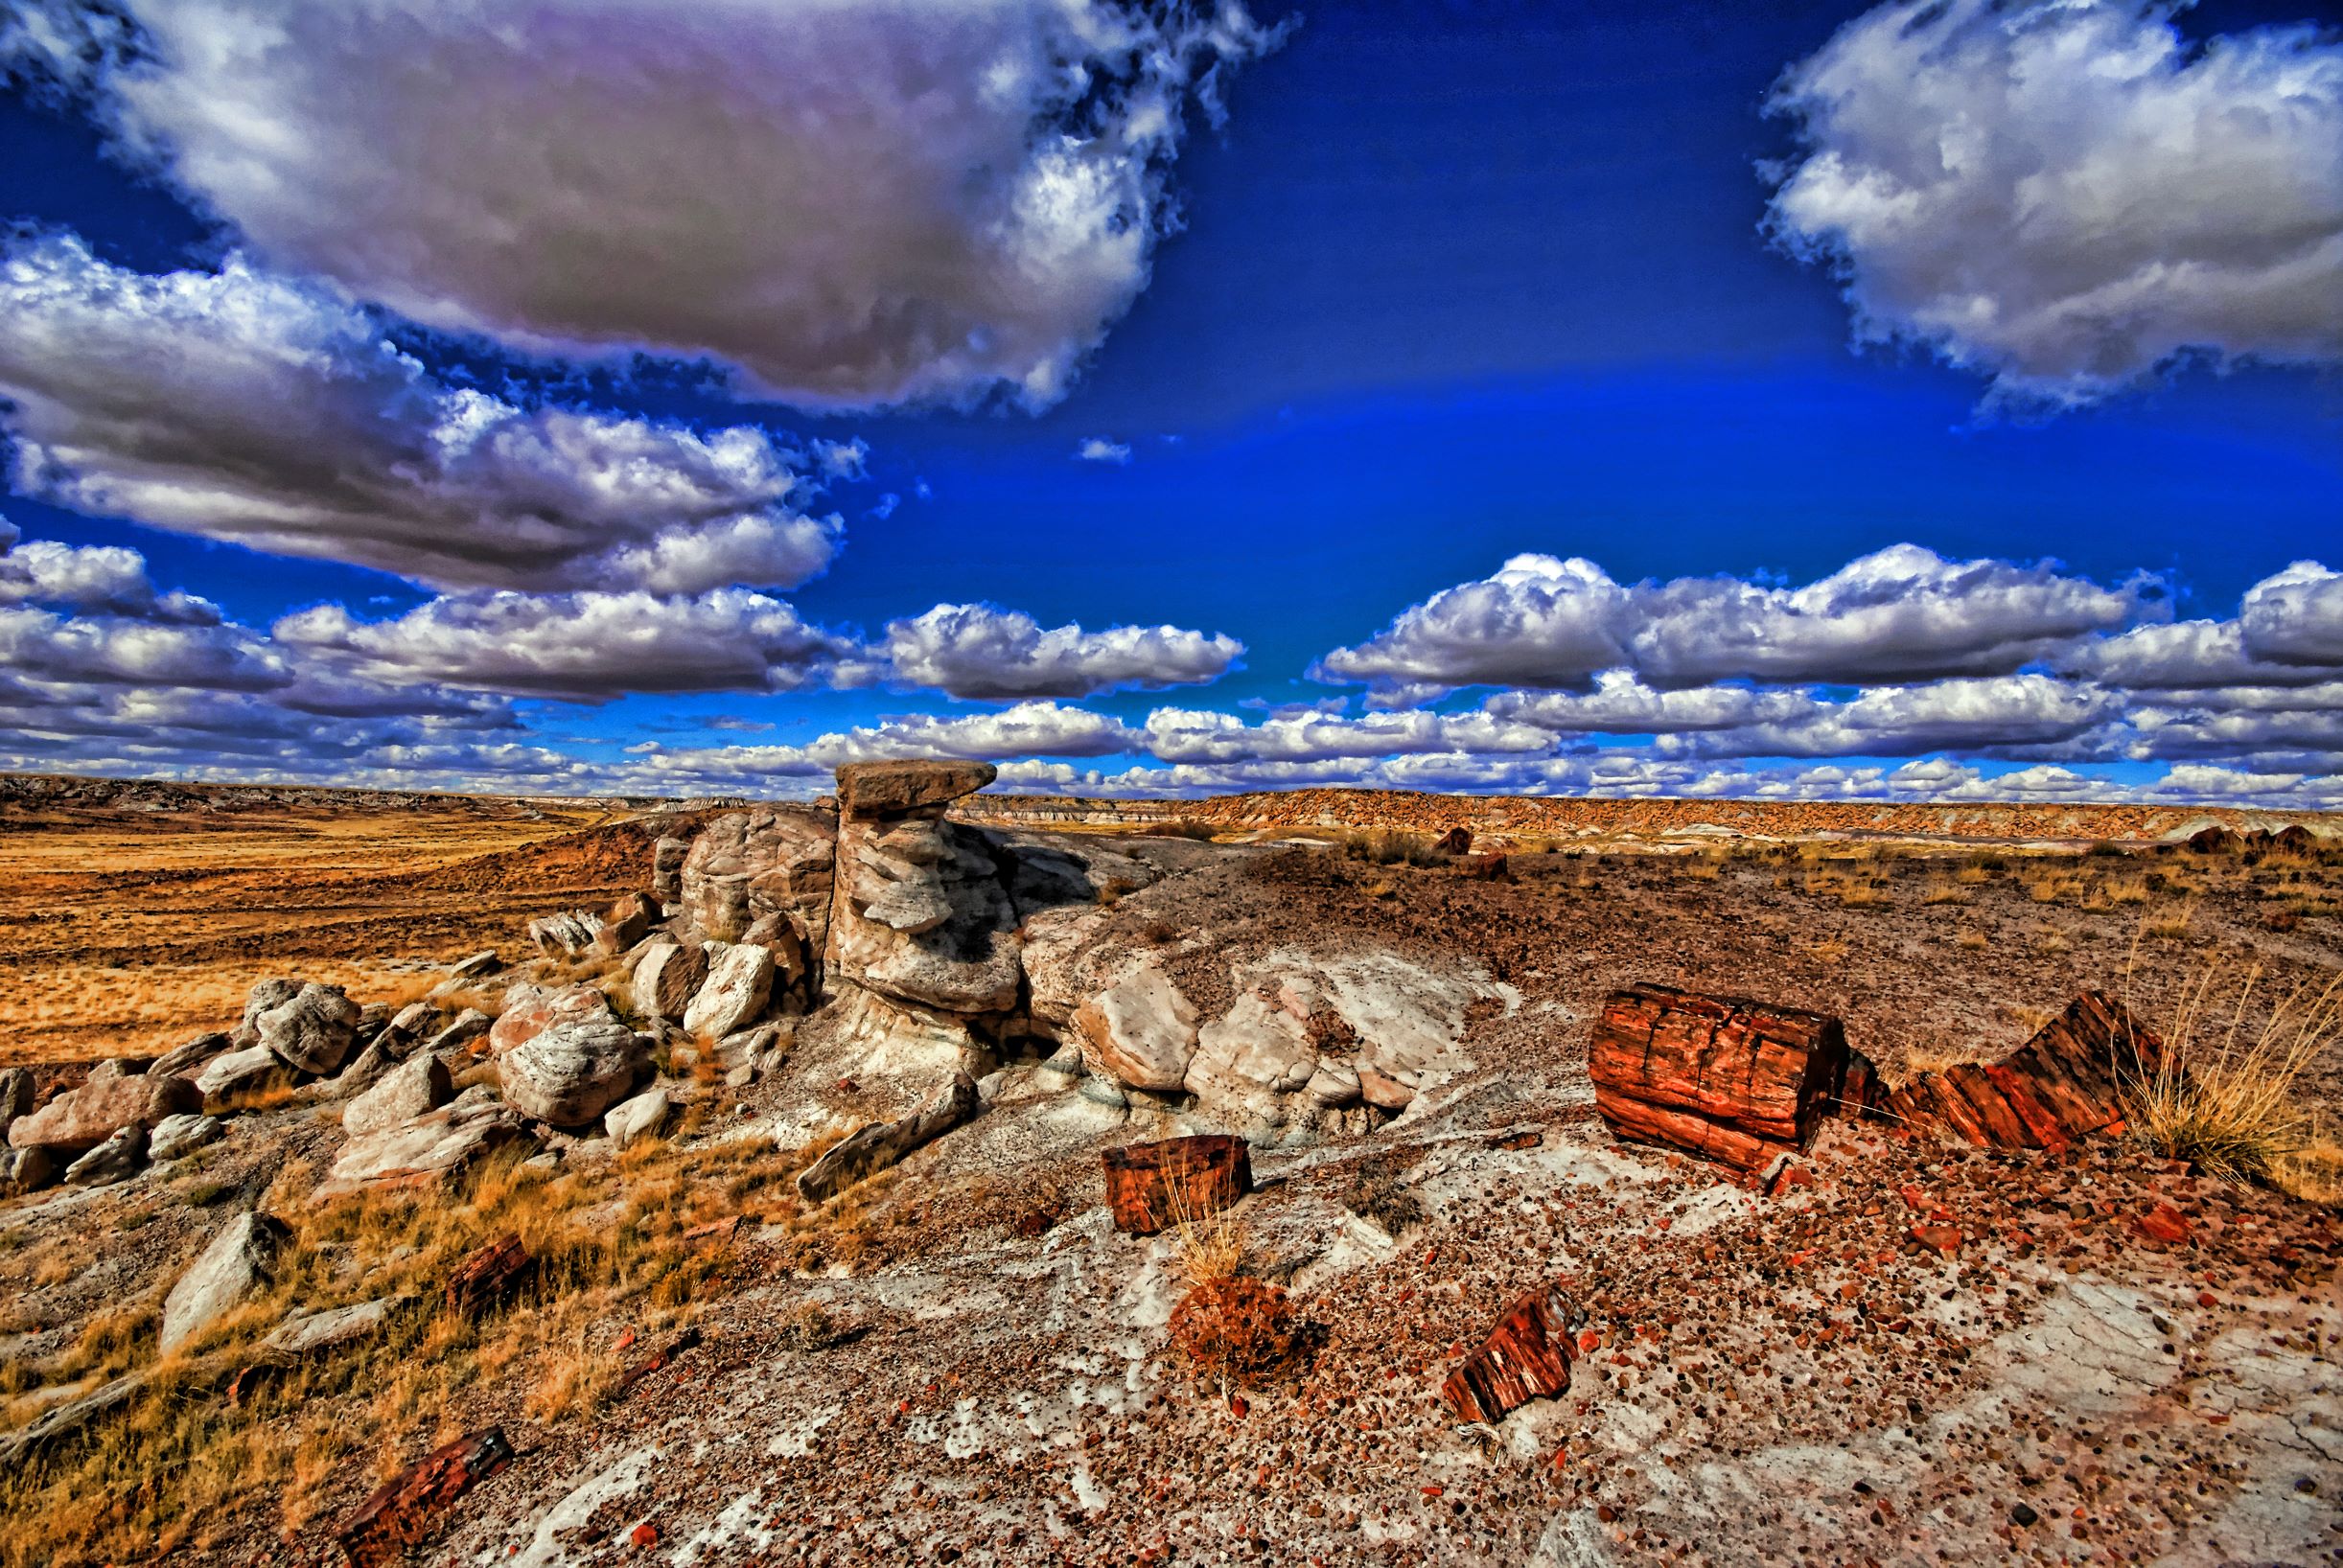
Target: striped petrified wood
1526, 1356
2065, 1083
1729, 1079
1152, 1186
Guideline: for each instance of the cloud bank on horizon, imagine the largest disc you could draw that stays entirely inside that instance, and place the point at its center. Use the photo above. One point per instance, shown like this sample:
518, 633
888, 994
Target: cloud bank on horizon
434, 293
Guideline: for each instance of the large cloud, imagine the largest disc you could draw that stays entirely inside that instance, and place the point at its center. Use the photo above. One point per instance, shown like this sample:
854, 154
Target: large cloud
979, 651
855, 203
2064, 195
102, 579
1901, 614
246, 406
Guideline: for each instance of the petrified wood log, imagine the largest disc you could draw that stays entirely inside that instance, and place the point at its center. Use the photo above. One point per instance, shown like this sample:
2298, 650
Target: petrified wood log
1526, 1356
1483, 868
2065, 1083
405, 1509
487, 1275
1456, 840
875, 1147
1729, 1079
1150, 1185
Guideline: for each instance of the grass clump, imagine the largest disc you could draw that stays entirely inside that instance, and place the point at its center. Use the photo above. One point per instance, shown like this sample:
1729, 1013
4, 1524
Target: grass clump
2221, 1093
1230, 1328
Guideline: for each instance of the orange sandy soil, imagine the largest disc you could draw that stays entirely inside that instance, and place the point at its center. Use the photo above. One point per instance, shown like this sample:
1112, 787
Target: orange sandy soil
125, 928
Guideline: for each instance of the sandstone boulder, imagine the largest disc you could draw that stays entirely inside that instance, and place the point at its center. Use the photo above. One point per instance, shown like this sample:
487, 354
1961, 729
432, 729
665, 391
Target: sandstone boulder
572, 1073
118, 1159
26, 1170
176, 1136
738, 986
332, 1329
82, 1119
667, 857
239, 1073
184, 1061
874, 1147
238, 1264
431, 1150
16, 1096
462, 1030
625, 923
368, 1068
639, 1116
264, 996
773, 860
529, 1010
895, 788
792, 964
410, 1090
476, 965
1254, 1059
1140, 1031
923, 916
669, 976
311, 1031
569, 936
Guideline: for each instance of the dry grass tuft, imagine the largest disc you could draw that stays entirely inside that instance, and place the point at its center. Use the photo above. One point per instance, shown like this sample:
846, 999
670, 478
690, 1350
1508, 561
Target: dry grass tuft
2223, 1094
1972, 941
2312, 1173
2170, 925
1944, 892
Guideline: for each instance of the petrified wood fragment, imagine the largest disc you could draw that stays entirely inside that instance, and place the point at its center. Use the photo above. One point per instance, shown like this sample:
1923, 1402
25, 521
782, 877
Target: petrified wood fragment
487, 1277
1151, 1185
1731, 1079
2065, 1083
1526, 1356
405, 1509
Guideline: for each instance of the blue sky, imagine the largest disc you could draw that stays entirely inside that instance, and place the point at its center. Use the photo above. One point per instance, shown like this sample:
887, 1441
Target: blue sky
1796, 400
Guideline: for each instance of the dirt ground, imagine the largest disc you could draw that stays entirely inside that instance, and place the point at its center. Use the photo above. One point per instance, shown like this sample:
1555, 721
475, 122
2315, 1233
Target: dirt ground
127, 926
961, 1361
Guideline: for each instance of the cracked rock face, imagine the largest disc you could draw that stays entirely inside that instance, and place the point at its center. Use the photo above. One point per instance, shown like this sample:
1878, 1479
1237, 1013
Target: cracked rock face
923, 913
312, 1030
774, 861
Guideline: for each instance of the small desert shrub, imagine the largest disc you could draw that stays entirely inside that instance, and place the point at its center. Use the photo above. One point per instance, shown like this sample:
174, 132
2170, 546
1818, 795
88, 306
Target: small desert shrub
1833, 951
1388, 846
1943, 892
2313, 1172
1235, 1330
2170, 925
811, 1325
2104, 850
2223, 1094
1375, 1192
2126, 892
1971, 941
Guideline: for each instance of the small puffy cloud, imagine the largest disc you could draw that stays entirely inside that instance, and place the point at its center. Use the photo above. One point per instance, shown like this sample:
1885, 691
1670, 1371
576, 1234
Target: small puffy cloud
1901, 614
1538, 621
48, 646
978, 651
1202, 736
1997, 714
1099, 449
2296, 618
583, 647
853, 205
95, 579
2064, 195
245, 406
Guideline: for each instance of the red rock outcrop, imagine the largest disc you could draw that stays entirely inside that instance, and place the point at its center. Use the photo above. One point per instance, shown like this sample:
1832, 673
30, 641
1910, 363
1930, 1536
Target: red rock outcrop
2064, 1084
1152, 1186
1729, 1079
1526, 1356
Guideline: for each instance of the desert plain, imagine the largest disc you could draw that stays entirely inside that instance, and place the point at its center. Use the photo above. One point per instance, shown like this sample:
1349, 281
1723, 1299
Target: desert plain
759, 1209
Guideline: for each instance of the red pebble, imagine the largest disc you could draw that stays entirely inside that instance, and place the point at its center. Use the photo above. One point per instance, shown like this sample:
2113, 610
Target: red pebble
2205, 1298
645, 1533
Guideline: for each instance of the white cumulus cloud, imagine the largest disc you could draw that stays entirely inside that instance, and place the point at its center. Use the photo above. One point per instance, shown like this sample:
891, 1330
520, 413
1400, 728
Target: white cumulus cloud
2064, 195
855, 204
242, 405
978, 651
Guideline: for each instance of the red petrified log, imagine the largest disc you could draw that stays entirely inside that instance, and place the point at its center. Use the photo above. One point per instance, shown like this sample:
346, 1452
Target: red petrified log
1733, 1080
1483, 868
1456, 840
487, 1275
2065, 1083
1526, 1356
1149, 1185
405, 1509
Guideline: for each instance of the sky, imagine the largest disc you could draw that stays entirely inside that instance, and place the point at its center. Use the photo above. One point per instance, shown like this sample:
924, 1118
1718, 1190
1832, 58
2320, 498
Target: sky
1784, 400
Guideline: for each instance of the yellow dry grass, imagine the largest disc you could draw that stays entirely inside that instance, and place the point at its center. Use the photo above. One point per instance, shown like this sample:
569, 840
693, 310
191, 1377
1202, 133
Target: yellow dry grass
2223, 1094
612, 1250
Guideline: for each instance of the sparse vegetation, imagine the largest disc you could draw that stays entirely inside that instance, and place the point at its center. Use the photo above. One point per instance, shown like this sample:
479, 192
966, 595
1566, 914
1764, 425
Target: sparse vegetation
2223, 1094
